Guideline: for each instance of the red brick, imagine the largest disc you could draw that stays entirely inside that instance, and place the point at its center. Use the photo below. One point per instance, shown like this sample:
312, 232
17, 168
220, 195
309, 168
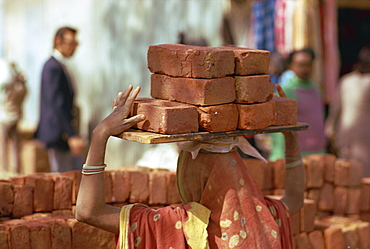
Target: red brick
363, 233
307, 215
326, 202
86, 236
279, 173
316, 239
251, 61
218, 118
173, 196
40, 236
65, 213
62, 192
19, 236
4, 240
43, 192
340, 200
334, 238
20, 180
350, 236
202, 92
7, 198
120, 185
347, 173
256, 169
23, 199
286, 111
75, 176
108, 187
166, 117
314, 194
256, 116
314, 171
329, 162
354, 195
301, 241
61, 236
190, 61
36, 216
157, 187
139, 187
365, 195
253, 89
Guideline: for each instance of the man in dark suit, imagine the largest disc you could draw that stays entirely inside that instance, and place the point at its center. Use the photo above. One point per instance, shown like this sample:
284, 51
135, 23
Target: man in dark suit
55, 128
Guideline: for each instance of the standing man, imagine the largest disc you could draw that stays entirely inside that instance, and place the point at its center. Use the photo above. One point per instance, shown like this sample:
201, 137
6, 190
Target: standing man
310, 107
55, 128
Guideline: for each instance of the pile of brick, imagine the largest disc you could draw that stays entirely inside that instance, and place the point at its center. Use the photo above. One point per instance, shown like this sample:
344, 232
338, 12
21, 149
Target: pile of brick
37, 210
337, 201
213, 89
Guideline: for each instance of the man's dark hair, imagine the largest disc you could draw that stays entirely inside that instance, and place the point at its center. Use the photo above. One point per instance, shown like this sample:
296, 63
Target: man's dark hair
304, 50
60, 32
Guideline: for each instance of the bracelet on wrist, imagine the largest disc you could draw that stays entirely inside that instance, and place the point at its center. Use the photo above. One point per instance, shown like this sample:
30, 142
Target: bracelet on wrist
92, 170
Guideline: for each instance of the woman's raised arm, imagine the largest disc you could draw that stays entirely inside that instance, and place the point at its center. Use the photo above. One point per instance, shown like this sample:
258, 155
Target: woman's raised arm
90, 206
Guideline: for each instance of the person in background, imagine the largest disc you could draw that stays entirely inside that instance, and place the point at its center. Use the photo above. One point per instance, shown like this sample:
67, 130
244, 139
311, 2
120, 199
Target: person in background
223, 206
13, 91
310, 107
56, 127
349, 114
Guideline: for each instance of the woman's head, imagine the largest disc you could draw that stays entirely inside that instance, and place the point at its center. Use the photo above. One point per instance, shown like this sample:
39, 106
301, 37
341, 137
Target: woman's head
301, 63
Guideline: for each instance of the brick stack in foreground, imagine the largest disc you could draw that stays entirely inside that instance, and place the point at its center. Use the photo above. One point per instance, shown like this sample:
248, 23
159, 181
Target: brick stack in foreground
335, 214
213, 89
37, 211
336, 210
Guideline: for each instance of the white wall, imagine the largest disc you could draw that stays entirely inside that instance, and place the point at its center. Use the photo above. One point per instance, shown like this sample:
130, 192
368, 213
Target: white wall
114, 37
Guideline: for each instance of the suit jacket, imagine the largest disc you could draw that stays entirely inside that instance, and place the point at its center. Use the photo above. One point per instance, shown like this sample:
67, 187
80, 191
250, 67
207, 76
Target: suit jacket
56, 104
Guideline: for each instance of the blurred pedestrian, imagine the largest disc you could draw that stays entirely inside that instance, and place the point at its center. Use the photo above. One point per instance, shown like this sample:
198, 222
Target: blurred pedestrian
349, 114
13, 91
57, 106
310, 106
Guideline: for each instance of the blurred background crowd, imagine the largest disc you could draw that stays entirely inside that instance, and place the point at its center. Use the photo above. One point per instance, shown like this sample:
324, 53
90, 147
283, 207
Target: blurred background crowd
113, 37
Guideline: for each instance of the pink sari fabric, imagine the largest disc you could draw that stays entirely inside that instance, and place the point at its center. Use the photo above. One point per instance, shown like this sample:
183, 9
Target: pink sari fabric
240, 216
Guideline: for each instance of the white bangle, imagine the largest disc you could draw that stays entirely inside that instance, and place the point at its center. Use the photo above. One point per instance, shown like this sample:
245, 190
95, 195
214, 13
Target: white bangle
92, 170
94, 167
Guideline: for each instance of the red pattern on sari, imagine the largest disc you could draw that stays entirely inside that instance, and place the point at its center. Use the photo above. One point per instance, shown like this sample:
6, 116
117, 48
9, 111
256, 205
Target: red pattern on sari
240, 215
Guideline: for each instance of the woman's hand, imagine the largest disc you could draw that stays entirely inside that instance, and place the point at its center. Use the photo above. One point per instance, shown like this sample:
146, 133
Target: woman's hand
118, 121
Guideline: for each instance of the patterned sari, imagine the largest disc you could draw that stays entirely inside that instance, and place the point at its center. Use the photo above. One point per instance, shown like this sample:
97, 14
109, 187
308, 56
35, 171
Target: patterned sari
223, 208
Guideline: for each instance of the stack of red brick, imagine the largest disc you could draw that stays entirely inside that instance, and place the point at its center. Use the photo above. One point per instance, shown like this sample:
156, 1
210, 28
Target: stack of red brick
36, 211
213, 89
337, 206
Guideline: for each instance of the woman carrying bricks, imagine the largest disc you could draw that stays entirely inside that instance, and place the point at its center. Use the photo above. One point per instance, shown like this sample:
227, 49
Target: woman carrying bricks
222, 205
